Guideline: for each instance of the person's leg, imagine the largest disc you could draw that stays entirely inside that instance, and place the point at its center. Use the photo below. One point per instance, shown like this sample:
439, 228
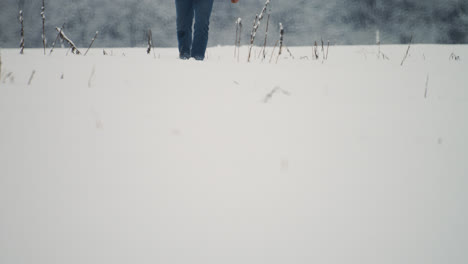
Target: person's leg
202, 22
184, 11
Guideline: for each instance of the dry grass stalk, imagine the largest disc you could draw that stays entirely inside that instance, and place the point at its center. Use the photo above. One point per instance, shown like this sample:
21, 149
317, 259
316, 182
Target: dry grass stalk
9, 76
150, 43
427, 85
380, 54
64, 37
43, 26
453, 56
290, 53
407, 51
21, 20
377, 41
238, 38
258, 20
92, 42
315, 51
280, 41
91, 77
323, 50
55, 41
252, 38
239, 41
328, 46
266, 34
273, 52
385, 57
31, 77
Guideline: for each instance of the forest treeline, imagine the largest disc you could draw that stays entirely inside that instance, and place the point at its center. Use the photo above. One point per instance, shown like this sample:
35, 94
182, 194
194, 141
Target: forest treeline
125, 23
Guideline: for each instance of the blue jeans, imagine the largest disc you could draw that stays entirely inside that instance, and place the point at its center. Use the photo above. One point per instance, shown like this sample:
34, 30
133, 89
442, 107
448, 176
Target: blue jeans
186, 10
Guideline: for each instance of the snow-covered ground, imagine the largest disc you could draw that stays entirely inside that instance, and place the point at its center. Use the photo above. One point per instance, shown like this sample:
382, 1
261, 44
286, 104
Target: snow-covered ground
127, 158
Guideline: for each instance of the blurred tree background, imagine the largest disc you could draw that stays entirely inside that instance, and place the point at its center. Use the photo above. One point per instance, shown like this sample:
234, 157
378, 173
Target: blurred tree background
124, 23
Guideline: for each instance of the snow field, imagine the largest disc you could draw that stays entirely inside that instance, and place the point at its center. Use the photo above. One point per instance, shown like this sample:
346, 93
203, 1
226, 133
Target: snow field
134, 159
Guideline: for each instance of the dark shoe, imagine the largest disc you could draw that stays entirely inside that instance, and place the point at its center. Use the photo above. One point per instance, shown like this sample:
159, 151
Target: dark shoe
198, 58
184, 56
